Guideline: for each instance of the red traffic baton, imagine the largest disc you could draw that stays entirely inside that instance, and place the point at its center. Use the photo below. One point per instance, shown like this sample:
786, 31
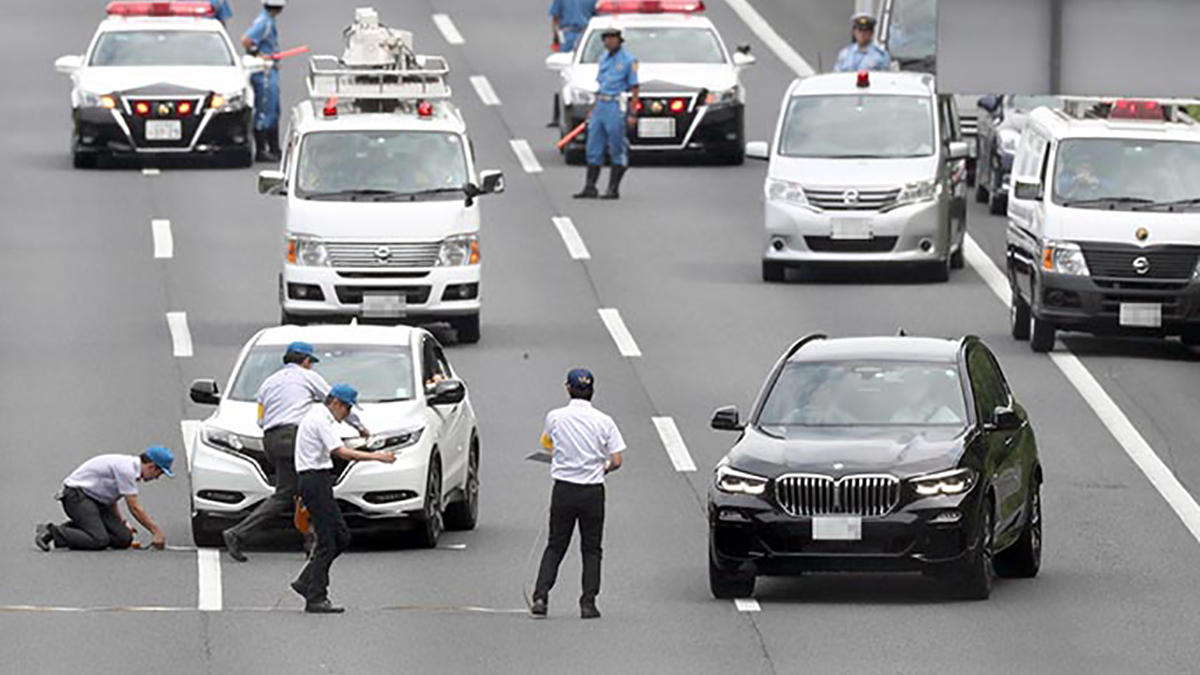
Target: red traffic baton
562, 143
295, 51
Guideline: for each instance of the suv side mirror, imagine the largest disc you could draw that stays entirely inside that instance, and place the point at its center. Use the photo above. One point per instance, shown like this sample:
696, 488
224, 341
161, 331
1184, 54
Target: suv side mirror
758, 150
67, 65
1005, 418
272, 183
205, 392
727, 419
491, 182
559, 60
1027, 190
447, 392
989, 102
956, 150
741, 59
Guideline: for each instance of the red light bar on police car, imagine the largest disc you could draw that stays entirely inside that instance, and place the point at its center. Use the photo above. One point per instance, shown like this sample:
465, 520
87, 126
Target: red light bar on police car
864, 79
1125, 109
194, 9
649, 6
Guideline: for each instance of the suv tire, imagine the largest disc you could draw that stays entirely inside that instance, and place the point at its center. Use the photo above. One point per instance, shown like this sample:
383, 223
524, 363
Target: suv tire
204, 534
431, 522
464, 514
1024, 558
729, 585
973, 580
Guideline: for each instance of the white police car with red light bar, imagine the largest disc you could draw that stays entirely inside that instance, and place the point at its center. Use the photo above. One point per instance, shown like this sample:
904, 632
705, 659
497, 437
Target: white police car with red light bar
692, 98
383, 216
161, 78
411, 400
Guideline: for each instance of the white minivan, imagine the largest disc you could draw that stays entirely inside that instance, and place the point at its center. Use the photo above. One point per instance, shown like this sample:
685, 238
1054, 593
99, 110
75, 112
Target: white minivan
1104, 222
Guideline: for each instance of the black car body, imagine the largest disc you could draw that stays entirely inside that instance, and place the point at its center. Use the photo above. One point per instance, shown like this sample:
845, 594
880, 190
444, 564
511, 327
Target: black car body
878, 477
1001, 122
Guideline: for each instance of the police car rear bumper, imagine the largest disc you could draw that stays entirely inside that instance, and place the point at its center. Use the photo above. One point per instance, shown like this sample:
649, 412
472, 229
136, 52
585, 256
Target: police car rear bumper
915, 233
110, 132
428, 294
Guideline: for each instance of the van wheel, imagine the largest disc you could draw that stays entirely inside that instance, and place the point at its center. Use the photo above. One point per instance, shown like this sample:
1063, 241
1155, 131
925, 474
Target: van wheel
1018, 317
940, 271
288, 319
958, 259
1041, 336
998, 204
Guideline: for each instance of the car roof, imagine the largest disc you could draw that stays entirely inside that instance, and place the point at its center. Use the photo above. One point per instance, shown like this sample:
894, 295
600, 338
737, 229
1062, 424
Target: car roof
194, 24
895, 348
882, 83
446, 118
1061, 125
342, 334
664, 20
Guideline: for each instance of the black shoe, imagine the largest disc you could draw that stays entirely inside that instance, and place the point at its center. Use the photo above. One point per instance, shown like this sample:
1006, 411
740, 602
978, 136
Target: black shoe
587, 610
589, 187
233, 544
323, 607
538, 609
273, 139
44, 539
300, 589
615, 175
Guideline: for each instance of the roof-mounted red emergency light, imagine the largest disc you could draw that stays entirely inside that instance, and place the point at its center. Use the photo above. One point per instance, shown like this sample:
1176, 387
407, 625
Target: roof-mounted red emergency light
424, 109
1125, 109
330, 109
864, 79
649, 6
193, 9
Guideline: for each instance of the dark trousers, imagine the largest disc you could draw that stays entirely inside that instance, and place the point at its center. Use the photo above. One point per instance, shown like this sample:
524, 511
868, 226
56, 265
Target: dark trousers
571, 503
92, 527
333, 536
280, 446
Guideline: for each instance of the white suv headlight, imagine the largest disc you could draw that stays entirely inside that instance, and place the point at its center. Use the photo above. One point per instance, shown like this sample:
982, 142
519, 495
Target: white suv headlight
1064, 257
739, 482
227, 440
918, 191
459, 250
953, 482
786, 191
394, 440
306, 251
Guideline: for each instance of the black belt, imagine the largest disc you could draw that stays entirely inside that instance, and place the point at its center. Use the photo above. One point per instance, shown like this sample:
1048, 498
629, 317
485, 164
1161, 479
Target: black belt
282, 427
608, 98
315, 471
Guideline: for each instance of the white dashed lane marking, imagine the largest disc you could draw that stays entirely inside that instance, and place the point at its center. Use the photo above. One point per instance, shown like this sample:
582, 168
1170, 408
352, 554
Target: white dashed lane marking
208, 561
181, 338
448, 29
164, 244
747, 605
484, 88
619, 332
150, 172
672, 440
570, 237
525, 155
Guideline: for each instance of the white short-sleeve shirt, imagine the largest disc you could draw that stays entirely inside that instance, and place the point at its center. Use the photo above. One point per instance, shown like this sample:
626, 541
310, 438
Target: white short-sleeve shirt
107, 478
583, 439
316, 439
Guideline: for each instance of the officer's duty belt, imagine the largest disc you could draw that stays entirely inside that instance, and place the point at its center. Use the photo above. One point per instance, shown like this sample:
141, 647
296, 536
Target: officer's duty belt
608, 98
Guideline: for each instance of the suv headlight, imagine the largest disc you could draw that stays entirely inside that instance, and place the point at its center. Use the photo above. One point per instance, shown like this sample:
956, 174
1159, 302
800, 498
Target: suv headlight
1008, 140
786, 191
733, 481
307, 251
724, 97
918, 191
227, 440
459, 250
953, 482
228, 102
89, 99
394, 440
577, 96
1062, 257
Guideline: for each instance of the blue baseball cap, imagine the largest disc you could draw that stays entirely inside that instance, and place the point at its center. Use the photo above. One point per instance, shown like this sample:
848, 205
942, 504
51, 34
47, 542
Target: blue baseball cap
580, 379
304, 349
162, 458
345, 393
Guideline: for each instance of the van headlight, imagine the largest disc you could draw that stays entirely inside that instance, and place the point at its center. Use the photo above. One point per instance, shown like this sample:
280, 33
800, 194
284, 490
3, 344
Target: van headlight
1008, 141
459, 250
227, 440
786, 191
394, 440
918, 191
306, 251
953, 482
732, 481
577, 96
1064, 257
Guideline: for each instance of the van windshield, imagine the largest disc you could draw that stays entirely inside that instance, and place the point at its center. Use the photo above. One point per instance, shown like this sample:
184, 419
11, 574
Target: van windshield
1105, 173
847, 126
381, 165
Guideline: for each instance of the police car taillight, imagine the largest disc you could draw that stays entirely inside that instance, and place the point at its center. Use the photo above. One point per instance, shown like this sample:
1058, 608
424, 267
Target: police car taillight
201, 9
677, 105
424, 109
141, 109
1125, 109
649, 6
330, 109
864, 79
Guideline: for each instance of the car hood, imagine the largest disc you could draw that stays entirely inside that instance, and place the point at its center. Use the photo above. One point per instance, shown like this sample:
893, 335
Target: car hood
900, 451
241, 417
658, 77
859, 173
382, 221
1103, 225
223, 79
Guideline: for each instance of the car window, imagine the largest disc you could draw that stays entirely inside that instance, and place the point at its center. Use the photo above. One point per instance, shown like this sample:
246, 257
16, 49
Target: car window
850, 126
333, 165
161, 48
661, 45
912, 33
434, 367
987, 384
1092, 169
379, 372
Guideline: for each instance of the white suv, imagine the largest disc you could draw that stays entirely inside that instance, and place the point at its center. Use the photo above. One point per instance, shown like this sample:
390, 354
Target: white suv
412, 402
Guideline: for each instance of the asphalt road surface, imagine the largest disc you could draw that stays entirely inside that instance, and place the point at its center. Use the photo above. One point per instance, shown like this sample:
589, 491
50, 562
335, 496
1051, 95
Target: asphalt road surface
88, 366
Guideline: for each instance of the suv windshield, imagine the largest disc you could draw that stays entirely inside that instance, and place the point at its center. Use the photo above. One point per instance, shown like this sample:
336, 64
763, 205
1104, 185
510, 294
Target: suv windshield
161, 48
353, 165
858, 126
380, 373
662, 45
865, 393
912, 33
1132, 173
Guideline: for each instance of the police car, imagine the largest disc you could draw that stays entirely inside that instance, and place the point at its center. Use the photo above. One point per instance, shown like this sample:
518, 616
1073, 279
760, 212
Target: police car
692, 99
412, 401
160, 78
383, 216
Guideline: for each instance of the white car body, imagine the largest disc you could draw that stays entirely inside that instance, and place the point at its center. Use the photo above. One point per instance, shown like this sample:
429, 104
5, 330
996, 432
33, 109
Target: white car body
226, 483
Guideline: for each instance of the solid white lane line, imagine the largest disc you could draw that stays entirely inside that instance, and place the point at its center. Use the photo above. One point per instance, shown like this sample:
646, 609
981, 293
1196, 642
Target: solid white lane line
525, 154
620, 334
181, 338
150, 172
208, 562
484, 88
984, 267
448, 29
190, 429
570, 237
672, 440
790, 57
164, 244
747, 605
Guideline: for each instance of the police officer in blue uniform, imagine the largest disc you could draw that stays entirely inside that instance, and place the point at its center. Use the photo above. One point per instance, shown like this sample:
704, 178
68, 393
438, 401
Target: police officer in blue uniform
618, 74
263, 40
221, 10
863, 53
569, 18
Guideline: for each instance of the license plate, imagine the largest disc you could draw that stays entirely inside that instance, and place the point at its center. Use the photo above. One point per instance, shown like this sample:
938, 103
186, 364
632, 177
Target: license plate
834, 528
384, 305
656, 127
851, 228
1141, 314
164, 130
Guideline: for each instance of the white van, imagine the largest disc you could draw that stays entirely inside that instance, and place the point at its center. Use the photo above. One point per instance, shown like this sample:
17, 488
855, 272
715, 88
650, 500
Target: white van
383, 220
1104, 222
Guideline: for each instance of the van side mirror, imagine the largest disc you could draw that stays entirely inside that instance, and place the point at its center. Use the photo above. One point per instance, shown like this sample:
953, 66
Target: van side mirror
742, 59
989, 103
1005, 418
727, 419
205, 392
559, 60
272, 183
447, 392
67, 65
758, 150
1027, 190
956, 150
491, 182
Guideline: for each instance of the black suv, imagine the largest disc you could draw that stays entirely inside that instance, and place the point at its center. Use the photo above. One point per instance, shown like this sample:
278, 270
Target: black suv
879, 454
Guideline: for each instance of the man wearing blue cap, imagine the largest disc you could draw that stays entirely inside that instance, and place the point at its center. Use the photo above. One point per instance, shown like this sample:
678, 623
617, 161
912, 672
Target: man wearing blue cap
586, 445
90, 496
283, 400
317, 441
